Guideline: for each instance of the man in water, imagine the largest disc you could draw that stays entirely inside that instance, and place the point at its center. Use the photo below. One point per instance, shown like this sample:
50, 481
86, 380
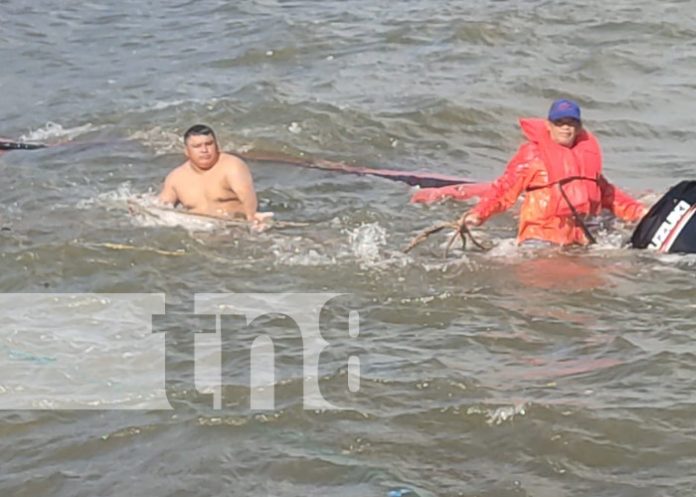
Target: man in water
559, 169
211, 182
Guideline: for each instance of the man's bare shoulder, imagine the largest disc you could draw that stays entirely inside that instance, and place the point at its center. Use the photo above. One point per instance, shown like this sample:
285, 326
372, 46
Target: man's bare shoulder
232, 162
179, 172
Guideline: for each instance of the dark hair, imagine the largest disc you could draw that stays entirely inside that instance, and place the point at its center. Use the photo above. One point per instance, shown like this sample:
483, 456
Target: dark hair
199, 130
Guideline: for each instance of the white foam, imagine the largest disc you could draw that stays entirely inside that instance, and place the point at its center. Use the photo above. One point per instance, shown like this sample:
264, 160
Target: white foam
177, 220
365, 242
499, 415
505, 248
54, 130
161, 140
114, 198
366, 245
311, 257
161, 215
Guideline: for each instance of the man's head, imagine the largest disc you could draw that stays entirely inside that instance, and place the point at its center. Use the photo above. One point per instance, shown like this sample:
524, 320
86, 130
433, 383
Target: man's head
200, 146
564, 122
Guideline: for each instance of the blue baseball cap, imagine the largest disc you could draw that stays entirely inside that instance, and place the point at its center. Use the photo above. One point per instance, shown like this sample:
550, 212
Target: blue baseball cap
564, 108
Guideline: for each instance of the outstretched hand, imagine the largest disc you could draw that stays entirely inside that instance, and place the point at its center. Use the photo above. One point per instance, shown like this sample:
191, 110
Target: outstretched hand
260, 221
469, 219
427, 195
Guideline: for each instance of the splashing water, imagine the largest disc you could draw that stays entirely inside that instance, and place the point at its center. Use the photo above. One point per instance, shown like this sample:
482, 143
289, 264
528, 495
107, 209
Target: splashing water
113, 198
55, 130
162, 141
365, 242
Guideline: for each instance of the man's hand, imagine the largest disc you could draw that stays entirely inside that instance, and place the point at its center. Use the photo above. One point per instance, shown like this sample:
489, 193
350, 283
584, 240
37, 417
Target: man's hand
470, 219
427, 195
260, 221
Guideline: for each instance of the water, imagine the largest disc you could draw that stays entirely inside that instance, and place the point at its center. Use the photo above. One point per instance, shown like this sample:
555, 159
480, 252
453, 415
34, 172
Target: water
513, 373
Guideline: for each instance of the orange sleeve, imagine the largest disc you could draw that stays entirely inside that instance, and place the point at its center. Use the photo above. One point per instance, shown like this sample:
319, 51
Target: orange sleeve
461, 192
620, 203
504, 191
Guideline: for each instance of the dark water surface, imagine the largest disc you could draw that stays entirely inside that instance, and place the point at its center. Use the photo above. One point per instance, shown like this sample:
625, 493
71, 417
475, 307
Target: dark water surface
512, 373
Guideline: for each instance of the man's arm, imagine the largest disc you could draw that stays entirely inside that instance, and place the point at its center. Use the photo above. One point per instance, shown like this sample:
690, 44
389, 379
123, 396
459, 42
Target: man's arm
504, 191
240, 181
620, 203
168, 194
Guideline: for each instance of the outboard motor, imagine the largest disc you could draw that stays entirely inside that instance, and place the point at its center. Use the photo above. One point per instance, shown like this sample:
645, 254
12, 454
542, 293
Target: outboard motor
670, 225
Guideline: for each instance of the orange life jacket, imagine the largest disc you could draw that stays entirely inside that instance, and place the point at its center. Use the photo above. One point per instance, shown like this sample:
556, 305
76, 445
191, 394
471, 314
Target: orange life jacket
573, 173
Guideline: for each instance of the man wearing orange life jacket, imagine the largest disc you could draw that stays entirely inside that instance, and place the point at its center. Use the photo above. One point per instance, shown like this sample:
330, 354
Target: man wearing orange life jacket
559, 169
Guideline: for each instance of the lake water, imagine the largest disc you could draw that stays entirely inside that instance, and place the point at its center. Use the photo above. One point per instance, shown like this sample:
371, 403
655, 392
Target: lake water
542, 373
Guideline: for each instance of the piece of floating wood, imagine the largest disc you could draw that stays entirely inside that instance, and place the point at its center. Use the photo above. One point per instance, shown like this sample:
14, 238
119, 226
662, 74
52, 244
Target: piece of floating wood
123, 246
461, 231
156, 212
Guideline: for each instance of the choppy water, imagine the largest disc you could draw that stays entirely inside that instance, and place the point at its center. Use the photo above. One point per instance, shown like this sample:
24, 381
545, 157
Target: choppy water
512, 373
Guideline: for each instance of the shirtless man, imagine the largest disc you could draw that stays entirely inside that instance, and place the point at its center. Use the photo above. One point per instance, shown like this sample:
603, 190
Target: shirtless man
211, 182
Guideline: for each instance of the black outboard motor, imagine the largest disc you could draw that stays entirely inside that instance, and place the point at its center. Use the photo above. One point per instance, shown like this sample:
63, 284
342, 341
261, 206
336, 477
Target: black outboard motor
670, 225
